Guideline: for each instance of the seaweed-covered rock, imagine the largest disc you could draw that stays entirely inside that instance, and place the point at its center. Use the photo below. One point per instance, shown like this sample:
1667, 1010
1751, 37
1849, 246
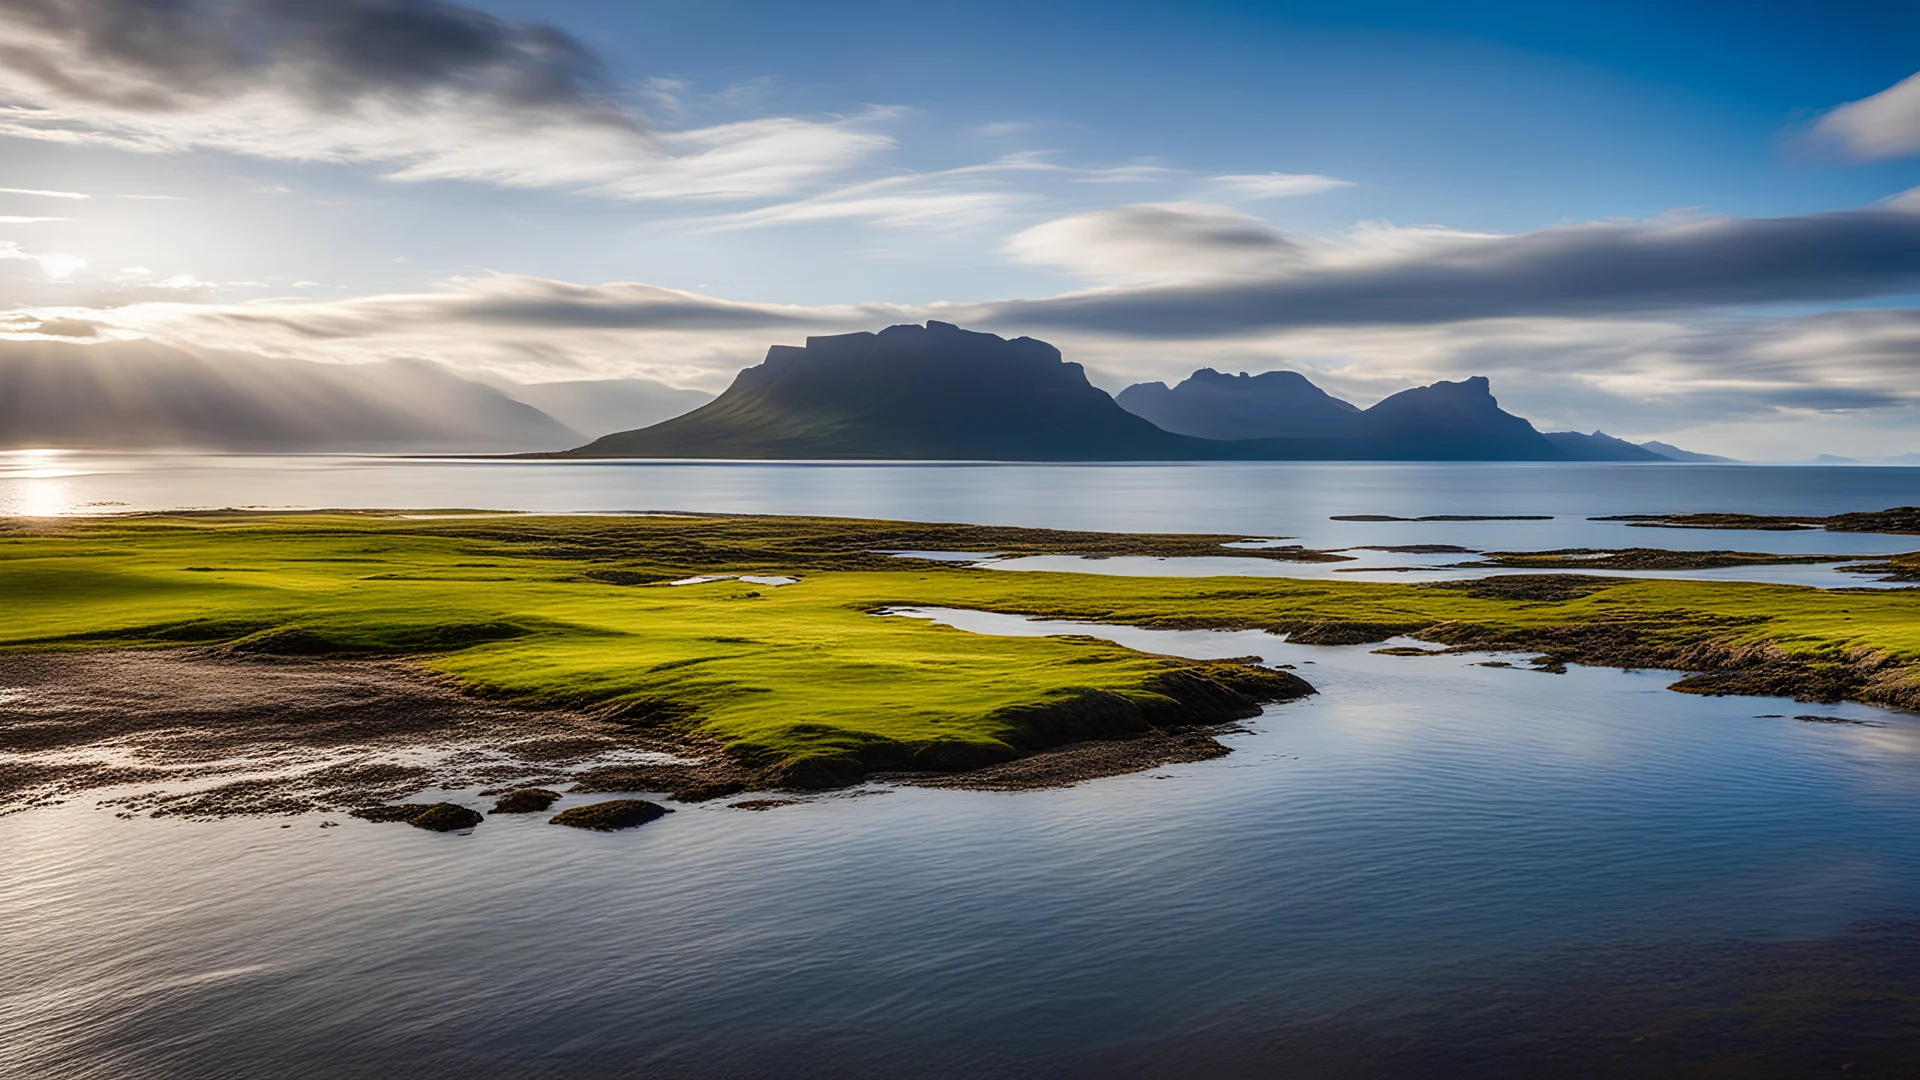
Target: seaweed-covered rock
445, 817
610, 815
395, 812
525, 801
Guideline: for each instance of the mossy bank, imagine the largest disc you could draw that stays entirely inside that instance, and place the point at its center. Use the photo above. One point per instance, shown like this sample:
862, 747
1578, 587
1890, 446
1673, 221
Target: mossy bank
802, 684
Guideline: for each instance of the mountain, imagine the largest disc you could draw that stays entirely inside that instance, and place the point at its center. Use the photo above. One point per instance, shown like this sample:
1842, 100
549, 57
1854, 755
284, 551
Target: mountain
908, 392
1453, 421
937, 392
142, 395
597, 406
1601, 446
1281, 414
1274, 404
1668, 450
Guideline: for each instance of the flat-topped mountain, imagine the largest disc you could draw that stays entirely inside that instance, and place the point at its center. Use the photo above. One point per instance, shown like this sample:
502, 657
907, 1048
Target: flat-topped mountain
926, 392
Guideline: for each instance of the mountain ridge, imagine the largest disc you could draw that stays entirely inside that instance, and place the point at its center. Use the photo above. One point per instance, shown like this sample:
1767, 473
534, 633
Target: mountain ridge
938, 392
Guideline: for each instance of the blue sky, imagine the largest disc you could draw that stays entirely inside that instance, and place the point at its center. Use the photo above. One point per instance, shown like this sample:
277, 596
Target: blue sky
811, 168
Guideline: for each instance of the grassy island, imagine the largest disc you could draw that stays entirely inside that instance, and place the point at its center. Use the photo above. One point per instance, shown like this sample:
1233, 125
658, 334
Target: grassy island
802, 681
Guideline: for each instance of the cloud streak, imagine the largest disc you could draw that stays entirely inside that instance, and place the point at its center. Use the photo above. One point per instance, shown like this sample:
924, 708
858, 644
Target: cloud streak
1272, 281
1276, 185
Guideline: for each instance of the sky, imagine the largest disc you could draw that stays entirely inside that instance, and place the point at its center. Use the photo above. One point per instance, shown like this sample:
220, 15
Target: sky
1691, 221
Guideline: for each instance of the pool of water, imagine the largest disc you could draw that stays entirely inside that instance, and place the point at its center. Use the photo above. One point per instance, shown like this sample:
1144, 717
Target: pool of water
1420, 818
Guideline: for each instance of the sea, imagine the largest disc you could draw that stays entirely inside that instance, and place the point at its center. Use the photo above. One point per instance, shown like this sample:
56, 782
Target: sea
1435, 867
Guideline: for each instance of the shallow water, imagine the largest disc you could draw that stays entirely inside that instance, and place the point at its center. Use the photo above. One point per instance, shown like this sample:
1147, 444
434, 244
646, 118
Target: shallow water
1386, 566
1421, 817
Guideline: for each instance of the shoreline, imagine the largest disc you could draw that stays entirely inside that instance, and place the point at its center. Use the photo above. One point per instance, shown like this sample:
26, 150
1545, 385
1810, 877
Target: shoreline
308, 661
210, 736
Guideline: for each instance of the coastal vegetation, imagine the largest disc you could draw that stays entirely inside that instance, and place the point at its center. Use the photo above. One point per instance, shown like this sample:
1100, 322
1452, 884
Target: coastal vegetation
802, 684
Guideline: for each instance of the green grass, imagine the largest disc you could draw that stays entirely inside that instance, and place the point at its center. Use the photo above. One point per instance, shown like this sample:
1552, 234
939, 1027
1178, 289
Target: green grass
528, 608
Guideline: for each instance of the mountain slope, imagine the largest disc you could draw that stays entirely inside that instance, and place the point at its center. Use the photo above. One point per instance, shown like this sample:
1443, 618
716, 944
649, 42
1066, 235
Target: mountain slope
1453, 421
140, 395
909, 392
1601, 446
1674, 453
1273, 404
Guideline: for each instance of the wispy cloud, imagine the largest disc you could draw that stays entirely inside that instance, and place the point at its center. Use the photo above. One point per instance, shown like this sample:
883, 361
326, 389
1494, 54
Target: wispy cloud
44, 194
1275, 185
1886, 125
10, 219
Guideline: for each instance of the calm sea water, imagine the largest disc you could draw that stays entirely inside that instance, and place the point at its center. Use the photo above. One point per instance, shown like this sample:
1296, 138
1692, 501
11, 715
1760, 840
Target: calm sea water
1267, 499
1429, 859
1419, 818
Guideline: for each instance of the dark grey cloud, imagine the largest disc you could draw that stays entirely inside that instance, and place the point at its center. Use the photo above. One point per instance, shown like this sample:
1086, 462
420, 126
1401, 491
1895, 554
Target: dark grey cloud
1581, 270
173, 54
423, 89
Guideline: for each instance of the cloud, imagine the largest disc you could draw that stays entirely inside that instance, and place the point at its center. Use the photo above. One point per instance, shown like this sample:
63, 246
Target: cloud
44, 194
524, 328
426, 90
55, 266
1223, 273
1159, 241
1886, 125
1275, 185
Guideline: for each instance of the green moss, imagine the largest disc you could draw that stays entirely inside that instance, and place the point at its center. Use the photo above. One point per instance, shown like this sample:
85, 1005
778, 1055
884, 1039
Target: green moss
806, 672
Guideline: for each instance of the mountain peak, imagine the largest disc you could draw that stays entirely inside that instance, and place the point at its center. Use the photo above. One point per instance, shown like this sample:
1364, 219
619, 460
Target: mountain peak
935, 391
1212, 405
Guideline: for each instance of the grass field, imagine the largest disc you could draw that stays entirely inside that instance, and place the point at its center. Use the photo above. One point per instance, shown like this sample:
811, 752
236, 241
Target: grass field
578, 610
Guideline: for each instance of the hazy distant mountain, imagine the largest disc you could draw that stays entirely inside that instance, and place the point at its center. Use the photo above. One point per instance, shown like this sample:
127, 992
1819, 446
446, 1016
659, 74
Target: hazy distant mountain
140, 395
1454, 421
1274, 404
932, 392
1668, 450
1292, 418
597, 406
1601, 446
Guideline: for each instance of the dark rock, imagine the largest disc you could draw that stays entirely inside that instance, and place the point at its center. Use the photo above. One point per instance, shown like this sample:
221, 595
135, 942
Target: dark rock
610, 815
395, 812
525, 801
446, 817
